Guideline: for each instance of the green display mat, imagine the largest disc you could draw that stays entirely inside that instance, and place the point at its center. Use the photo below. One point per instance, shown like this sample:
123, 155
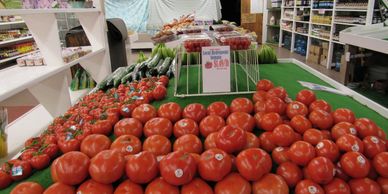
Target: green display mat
285, 75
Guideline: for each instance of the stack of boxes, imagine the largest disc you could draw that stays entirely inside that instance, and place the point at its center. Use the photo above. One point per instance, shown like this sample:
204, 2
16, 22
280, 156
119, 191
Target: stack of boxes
318, 53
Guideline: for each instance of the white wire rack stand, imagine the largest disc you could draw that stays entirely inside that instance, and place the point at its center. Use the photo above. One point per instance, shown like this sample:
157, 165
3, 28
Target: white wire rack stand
244, 73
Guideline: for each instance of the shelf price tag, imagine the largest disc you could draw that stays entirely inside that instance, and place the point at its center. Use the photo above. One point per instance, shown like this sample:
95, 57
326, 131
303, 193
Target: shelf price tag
216, 69
321, 11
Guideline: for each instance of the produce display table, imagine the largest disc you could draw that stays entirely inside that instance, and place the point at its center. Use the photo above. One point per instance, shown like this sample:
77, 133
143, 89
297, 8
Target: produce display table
282, 74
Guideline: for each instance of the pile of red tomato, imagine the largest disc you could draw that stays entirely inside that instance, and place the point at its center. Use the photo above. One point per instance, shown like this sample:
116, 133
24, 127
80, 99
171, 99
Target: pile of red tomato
269, 145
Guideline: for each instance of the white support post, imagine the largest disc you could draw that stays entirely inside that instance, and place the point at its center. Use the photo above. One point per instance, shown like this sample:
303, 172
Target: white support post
91, 23
44, 29
53, 93
98, 66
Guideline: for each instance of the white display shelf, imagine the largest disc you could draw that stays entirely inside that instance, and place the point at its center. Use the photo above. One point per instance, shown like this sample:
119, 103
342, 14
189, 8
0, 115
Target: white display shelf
321, 24
287, 30
351, 10
287, 19
15, 40
369, 37
78, 94
347, 24
305, 22
45, 11
11, 23
303, 6
15, 57
317, 37
325, 9
337, 42
16, 79
303, 34
288, 7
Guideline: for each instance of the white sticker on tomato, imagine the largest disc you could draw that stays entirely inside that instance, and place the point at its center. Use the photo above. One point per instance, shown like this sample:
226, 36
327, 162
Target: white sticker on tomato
159, 158
183, 124
295, 106
17, 171
374, 139
73, 127
146, 109
279, 149
219, 157
361, 160
320, 145
178, 173
129, 148
355, 148
125, 109
79, 192
312, 189
353, 131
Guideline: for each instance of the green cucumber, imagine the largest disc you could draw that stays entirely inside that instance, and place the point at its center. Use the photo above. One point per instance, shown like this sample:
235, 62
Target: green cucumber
154, 61
126, 78
164, 68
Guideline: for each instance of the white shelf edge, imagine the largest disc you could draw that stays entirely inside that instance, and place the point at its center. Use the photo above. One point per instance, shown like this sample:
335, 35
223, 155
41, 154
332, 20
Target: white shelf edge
288, 19
318, 9
301, 33
46, 11
338, 42
287, 30
316, 37
17, 56
15, 40
304, 22
351, 10
76, 95
45, 72
11, 23
347, 24
321, 24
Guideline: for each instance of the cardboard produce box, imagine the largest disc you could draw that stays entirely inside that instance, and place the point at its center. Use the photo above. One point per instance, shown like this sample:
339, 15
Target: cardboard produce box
325, 45
323, 60
313, 58
325, 52
318, 50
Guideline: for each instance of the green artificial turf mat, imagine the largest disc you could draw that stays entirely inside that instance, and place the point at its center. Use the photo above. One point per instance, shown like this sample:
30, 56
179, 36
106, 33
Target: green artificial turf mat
285, 75
378, 97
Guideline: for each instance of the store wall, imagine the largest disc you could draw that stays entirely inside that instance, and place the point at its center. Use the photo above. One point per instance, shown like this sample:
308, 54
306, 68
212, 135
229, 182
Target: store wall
231, 10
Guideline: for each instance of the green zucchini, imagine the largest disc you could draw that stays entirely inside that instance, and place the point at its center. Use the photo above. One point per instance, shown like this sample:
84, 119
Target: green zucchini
154, 61
126, 78
117, 72
164, 67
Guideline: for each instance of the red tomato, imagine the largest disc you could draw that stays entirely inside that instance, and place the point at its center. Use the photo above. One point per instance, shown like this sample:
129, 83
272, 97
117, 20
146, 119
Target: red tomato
296, 108
90, 187
194, 111
128, 187
278, 92
24, 166
233, 183
313, 136
126, 144
308, 187
320, 105
381, 134
260, 106
349, 143
365, 127
270, 183
328, 149
178, 168
196, 186
102, 127
337, 186
280, 155
28, 154
210, 124
264, 84
164, 79
159, 92
306, 97
321, 119
5, 179
158, 126
241, 105
142, 168
27, 188
157, 144
59, 188
300, 123
301, 153
71, 168
40, 161
290, 172
383, 182
210, 141
231, 139
252, 141
218, 108
185, 126
283, 135
373, 145
270, 120
355, 164
276, 105
266, 141
343, 128
171, 111
126, 110
253, 163
380, 163
364, 185
144, 112
188, 143
128, 126
214, 164
107, 166
241, 120
343, 115
159, 186
69, 145
94, 144
321, 170
257, 118
259, 96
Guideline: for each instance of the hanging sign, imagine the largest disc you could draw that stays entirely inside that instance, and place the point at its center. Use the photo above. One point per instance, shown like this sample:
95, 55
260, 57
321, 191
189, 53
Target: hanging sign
216, 69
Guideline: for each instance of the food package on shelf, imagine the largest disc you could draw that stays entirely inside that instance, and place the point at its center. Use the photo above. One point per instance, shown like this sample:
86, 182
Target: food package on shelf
222, 27
192, 30
194, 43
235, 42
3, 134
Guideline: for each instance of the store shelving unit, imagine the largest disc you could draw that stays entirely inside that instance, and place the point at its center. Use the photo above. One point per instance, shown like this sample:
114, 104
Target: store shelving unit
49, 85
7, 42
312, 25
15, 57
271, 31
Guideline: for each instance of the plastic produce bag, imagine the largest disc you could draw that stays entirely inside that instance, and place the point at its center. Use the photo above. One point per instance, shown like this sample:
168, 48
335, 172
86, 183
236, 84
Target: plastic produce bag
92, 83
3, 135
75, 83
83, 80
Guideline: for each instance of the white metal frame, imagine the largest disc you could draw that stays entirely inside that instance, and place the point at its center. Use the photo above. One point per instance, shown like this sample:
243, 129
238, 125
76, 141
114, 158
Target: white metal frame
48, 85
369, 16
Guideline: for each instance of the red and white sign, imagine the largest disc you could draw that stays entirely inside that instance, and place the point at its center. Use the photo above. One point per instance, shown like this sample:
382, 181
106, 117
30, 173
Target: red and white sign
216, 69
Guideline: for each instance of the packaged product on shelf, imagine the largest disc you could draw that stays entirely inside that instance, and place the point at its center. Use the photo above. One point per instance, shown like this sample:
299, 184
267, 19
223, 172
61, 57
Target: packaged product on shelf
3, 134
194, 43
192, 30
235, 42
222, 27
